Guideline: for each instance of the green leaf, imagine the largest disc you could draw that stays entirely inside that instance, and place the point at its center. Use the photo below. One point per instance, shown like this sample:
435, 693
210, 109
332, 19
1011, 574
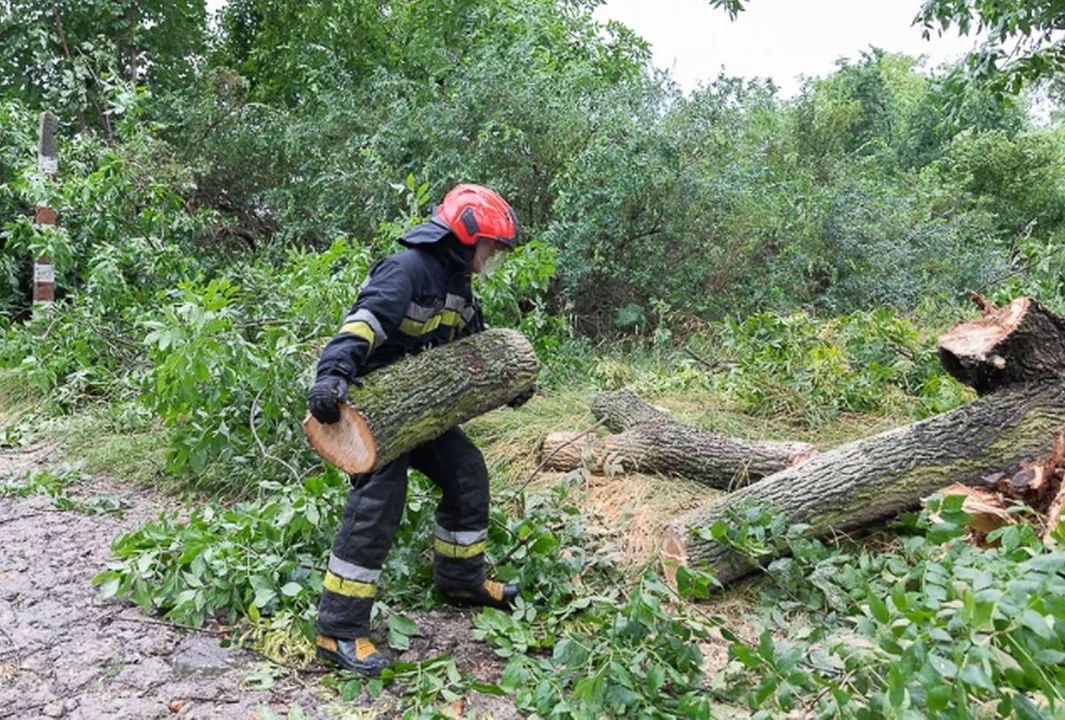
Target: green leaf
974, 675
487, 689
109, 583
939, 696
402, 624
943, 666
1027, 710
878, 609
1049, 657
656, 678
264, 596
351, 690
291, 589
1037, 624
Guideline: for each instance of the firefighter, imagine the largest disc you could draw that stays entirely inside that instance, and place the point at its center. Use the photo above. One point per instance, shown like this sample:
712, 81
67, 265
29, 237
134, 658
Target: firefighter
415, 299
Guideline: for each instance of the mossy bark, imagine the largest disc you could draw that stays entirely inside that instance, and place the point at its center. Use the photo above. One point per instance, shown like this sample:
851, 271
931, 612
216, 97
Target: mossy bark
664, 446
651, 441
404, 405
875, 478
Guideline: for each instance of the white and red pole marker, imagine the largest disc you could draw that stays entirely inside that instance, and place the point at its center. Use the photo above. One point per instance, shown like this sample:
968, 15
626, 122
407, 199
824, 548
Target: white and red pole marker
47, 163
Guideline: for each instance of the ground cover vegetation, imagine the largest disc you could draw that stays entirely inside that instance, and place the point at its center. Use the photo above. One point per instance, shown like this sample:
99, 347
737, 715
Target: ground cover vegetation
763, 266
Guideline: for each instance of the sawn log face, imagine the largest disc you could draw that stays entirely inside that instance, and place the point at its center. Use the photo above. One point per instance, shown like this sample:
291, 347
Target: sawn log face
1019, 343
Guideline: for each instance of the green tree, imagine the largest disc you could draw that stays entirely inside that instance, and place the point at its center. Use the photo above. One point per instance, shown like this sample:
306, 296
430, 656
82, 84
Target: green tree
70, 55
1022, 40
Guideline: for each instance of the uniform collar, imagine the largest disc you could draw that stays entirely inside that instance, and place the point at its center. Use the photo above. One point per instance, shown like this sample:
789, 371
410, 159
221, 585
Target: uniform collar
438, 238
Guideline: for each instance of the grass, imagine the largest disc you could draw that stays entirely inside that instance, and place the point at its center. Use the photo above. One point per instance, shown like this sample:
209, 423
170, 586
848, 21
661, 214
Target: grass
122, 440
16, 398
119, 440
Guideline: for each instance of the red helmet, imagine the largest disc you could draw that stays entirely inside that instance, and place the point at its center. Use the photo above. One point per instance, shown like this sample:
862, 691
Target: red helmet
474, 212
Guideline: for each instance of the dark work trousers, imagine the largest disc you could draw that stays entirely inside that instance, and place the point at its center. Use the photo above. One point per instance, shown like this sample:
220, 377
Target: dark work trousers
372, 514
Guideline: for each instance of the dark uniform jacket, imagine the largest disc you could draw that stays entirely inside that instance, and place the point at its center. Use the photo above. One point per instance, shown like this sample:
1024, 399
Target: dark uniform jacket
414, 299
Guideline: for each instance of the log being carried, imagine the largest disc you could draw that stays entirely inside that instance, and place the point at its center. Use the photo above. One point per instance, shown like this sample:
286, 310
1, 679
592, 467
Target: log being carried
1014, 357
402, 406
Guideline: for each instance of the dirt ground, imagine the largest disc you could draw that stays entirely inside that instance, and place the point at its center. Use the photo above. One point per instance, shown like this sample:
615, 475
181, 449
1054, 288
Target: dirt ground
66, 653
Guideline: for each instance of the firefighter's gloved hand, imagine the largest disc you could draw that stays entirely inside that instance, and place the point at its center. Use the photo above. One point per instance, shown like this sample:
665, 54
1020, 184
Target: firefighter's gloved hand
325, 397
522, 398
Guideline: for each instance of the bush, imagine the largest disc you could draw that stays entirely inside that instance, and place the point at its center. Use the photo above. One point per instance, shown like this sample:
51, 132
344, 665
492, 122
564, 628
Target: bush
924, 625
811, 370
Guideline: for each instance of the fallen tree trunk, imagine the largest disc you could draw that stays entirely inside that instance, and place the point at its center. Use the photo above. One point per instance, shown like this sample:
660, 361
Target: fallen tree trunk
651, 441
623, 410
671, 448
401, 406
875, 478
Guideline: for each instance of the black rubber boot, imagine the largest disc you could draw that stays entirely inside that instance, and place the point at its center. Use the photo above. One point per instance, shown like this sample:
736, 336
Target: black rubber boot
489, 594
359, 655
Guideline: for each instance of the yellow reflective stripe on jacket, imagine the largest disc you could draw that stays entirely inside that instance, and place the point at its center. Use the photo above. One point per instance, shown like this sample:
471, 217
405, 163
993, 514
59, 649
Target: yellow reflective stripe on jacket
348, 588
360, 329
447, 318
461, 552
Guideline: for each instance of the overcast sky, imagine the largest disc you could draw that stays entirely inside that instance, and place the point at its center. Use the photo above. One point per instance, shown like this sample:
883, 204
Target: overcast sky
779, 39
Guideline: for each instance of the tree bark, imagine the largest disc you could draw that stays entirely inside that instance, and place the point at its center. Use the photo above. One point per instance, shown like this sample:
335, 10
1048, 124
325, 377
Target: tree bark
718, 461
623, 410
647, 440
1015, 354
404, 405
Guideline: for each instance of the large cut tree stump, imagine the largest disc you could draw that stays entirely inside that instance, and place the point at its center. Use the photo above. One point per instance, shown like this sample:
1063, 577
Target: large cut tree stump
1020, 343
647, 440
401, 406
1014, 355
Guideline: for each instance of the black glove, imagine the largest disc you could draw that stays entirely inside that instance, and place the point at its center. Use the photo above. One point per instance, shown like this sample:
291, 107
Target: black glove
521, 398
325, 397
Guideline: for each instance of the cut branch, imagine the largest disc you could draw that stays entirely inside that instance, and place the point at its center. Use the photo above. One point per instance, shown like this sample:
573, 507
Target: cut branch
647, 440
404, 405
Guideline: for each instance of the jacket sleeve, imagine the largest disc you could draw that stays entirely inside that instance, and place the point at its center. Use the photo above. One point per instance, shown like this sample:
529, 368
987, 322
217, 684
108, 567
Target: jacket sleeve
375, 316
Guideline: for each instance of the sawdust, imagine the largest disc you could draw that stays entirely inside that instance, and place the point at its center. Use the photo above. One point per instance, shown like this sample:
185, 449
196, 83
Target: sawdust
633, 509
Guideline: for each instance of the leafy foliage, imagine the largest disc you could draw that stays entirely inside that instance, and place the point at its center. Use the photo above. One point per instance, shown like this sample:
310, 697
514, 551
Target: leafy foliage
62, 487
1020, 44
925, 624
223, 191
71, 56
797, 366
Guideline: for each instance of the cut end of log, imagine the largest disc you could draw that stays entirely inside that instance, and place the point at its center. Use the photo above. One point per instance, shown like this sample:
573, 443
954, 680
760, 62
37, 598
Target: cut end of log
674, 552
979, 338
348, 443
